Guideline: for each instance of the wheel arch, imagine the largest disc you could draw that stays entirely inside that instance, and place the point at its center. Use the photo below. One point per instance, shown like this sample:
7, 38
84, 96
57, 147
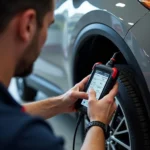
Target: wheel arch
114, 37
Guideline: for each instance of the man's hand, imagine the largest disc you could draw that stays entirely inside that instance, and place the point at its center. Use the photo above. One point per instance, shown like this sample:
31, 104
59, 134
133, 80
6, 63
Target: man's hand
103, 109
70, 98
60, 104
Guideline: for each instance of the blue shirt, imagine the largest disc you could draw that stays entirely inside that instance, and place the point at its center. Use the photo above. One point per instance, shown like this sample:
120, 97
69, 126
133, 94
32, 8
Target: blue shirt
20, 131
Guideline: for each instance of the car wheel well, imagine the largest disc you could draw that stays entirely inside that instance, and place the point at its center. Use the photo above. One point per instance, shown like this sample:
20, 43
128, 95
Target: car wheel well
108, 43
95, 48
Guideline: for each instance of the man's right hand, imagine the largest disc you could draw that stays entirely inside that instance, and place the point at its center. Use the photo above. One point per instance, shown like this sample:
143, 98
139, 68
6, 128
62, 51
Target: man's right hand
103, 109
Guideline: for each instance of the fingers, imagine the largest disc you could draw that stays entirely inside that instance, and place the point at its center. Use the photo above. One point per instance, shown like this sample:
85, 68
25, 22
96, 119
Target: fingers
76, 87
92, 95
83, 82
114, 91
110, 97
79, 95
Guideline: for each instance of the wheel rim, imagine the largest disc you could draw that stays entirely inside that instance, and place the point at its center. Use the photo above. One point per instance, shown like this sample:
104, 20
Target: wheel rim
20, 86
119, 134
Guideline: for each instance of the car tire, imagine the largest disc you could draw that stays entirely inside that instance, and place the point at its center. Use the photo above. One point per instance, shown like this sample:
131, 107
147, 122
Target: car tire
129, 126
26, 93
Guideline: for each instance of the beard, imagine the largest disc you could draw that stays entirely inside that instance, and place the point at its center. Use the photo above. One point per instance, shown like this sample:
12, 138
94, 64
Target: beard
25, 65
24, 71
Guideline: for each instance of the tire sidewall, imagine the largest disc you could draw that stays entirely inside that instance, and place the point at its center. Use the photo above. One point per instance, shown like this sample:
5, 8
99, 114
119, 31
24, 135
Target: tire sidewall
130, 113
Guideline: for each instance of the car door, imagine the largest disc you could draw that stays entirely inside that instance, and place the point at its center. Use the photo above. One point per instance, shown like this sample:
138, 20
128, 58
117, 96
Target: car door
52, 63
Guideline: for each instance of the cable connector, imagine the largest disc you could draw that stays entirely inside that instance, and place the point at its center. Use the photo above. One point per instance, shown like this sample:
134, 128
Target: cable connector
111, 62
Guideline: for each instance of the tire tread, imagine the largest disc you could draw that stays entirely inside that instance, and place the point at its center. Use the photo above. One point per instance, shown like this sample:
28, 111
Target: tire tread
126, 77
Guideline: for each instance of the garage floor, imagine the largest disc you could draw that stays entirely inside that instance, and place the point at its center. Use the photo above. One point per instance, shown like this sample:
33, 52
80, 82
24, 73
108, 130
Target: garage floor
63, 125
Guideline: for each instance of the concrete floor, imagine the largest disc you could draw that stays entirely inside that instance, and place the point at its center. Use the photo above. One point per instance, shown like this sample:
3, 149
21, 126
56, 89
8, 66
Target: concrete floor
63, 125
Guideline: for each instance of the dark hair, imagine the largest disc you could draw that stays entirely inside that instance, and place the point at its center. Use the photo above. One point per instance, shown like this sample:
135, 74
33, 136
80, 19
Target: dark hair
10, 8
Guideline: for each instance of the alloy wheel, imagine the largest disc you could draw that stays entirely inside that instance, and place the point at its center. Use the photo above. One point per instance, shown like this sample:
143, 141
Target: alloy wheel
119, 138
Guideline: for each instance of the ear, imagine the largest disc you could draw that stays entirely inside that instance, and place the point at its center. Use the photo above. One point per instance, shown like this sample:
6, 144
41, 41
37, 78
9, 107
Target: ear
27, 25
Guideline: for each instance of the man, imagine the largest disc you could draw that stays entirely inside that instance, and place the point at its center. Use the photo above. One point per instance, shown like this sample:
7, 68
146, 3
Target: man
23, 30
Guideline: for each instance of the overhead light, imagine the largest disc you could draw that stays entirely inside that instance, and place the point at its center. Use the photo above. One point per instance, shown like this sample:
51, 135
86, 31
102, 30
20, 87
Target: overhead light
104, 9
146, 3
120, 5
130, 23
120, 18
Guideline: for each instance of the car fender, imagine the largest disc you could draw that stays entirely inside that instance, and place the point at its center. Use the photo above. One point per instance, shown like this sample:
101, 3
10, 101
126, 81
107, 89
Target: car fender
112, 35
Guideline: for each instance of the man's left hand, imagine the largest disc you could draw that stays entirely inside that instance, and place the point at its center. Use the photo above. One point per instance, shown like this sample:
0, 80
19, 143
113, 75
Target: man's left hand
70, 98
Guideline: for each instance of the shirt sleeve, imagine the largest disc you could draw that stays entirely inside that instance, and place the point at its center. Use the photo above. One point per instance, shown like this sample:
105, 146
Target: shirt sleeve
37, 136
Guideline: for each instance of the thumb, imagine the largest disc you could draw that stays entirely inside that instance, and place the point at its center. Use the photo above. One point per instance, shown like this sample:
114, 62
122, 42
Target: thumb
114, 91
92, 94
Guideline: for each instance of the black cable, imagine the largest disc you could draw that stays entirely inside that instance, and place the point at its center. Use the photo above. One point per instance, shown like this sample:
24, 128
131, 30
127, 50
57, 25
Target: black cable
115, 54
110, 63
81, 116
